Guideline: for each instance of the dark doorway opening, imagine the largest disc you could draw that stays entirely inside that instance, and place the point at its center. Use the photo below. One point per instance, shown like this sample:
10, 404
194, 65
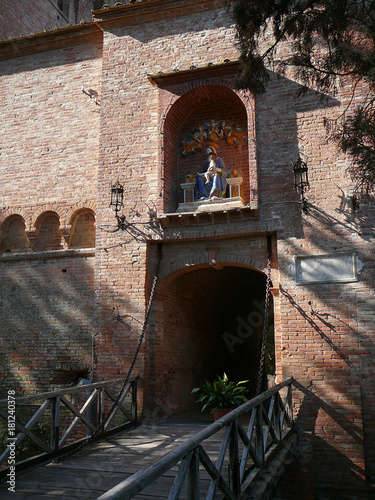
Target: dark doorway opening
207, 322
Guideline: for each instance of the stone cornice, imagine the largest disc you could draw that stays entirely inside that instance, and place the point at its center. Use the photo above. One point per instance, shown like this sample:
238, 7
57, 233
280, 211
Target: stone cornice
152, 10
123, 15
217, 70
50, 40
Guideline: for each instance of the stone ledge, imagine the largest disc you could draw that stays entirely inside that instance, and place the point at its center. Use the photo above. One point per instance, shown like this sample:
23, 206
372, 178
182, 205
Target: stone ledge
220, 217
214, 205
50, 254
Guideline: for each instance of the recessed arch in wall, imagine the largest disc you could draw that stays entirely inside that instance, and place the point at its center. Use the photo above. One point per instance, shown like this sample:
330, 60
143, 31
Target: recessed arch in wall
48, 235
198, 104
82, 232
25, 214
13, 235
56, 208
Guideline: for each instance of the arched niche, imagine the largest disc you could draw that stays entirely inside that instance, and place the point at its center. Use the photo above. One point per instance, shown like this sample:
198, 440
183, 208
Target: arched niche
48, 235
82, 233
195, 108
13, 235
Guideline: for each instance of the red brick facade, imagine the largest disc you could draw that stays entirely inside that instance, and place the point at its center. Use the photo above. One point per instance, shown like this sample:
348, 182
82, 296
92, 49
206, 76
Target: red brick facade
69, 306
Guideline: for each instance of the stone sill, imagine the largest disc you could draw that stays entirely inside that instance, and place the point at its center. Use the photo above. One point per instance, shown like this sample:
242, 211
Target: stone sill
215, 205
50, 254
209, 212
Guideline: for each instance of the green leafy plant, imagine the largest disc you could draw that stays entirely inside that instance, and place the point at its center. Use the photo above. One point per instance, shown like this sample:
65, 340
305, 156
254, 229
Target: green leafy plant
221, 393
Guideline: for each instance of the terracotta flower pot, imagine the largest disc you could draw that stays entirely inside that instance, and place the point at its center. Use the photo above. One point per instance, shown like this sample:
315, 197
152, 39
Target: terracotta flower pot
220, 412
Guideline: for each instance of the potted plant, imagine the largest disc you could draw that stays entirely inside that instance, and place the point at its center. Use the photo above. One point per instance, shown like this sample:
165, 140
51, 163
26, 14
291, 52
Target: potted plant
221, 395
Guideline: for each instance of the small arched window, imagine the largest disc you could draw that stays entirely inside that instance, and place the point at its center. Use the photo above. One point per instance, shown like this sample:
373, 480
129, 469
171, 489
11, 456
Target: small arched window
82, 234
13, 235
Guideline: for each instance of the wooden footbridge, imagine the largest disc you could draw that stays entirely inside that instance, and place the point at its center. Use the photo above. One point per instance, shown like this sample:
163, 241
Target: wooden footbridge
241, 456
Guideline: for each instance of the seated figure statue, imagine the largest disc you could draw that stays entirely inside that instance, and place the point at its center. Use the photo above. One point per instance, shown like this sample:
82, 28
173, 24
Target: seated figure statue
214, 173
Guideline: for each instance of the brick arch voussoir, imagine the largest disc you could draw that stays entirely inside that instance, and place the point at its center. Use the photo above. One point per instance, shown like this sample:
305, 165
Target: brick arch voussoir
243, 95
89, 205
9, 212
50, 207
183, 266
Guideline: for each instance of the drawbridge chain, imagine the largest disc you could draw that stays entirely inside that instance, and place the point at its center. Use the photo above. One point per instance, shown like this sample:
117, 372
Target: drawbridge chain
265, 329
145, 323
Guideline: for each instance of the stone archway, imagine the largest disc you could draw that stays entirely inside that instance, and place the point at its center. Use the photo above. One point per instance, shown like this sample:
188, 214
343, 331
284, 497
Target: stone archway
207, 321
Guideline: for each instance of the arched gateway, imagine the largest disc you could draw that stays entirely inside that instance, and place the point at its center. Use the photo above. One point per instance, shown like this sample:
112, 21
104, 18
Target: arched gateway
208, 320
209, 303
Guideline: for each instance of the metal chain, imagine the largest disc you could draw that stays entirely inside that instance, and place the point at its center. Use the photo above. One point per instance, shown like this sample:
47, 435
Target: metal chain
265, 328
140, 341
145, 323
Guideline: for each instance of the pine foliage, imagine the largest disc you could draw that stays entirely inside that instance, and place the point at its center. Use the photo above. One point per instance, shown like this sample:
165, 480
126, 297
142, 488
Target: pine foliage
331, 41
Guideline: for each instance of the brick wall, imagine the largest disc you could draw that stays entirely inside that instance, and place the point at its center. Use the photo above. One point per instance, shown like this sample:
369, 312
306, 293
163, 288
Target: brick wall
45, 111
46, 306
321, 340
306, 348
49, 153
71, 154
130, 150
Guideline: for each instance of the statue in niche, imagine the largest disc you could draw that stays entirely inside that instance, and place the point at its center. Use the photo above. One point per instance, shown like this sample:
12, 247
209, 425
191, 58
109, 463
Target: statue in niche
211, 182
214, 173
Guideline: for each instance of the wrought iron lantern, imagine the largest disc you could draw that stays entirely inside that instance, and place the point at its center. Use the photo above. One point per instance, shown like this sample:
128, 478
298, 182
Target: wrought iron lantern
139, 230
117, 197
301, 180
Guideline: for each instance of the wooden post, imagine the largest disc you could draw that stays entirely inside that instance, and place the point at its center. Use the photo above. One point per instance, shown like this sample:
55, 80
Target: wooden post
134, 408
192, 485
101, 409
290, 402
234, 462
259, 448
276, 417
55, 423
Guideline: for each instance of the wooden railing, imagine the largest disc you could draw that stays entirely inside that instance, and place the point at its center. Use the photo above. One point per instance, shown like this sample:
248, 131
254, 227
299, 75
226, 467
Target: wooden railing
45, 425
242, 452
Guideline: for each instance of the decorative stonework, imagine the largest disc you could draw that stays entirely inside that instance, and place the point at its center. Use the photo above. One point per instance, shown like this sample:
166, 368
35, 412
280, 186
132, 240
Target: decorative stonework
213, 204
213, 131
234, 186
326, 268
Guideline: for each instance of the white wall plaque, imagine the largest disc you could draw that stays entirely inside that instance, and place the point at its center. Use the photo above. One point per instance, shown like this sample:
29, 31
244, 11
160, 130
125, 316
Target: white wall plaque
340, 267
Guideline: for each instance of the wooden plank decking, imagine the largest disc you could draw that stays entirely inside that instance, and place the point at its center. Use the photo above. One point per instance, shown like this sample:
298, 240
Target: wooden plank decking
100, 466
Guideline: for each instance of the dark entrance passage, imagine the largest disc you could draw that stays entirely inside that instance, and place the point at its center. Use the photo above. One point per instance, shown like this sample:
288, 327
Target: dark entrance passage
207, 322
